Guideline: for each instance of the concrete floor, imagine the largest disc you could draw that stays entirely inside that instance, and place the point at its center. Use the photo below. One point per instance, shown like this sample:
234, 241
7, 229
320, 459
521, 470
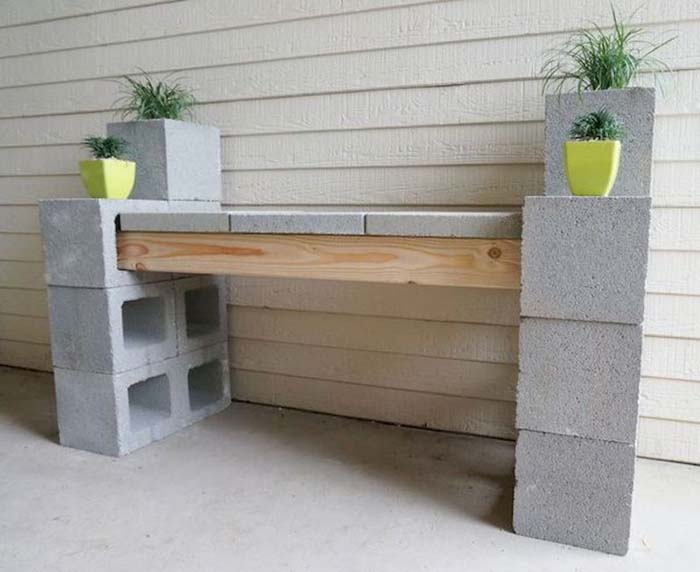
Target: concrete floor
258, 488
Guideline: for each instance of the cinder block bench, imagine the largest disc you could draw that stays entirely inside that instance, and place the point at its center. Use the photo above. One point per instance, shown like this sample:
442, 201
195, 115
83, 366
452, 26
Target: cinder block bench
139, 339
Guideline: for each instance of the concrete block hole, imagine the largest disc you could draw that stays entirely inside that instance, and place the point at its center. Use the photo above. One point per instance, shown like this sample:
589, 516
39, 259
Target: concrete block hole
149, 402
205, 384
202, 311
143, 322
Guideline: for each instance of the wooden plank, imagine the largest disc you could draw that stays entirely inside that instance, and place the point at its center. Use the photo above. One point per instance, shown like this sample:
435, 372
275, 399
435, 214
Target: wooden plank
673, 272
15, 274
672, 316
25, 247
420, 409
478, 263
24, 328
23, 302
671, 358
670, 399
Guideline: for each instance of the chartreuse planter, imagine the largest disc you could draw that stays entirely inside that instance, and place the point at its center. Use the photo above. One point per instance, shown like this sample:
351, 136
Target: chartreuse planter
591, 166
108, 178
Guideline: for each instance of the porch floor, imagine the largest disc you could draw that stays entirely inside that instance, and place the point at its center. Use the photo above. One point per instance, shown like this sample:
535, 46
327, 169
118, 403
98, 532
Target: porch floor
257, 488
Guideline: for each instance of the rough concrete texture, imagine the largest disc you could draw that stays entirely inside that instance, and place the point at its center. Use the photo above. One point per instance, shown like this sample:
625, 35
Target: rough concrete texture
114, 414
175, 160
574, 491
458, 224
79, 240
585, 258
112, 329
338, 494
176, 222
633, 106
297, 222
201, 316
579, 378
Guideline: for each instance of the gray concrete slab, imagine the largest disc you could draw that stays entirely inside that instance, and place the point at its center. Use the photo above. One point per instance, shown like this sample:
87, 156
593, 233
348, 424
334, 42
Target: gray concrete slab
110, 330
175, 160
445, 224
579, 378
633, 106
297, 222
585, 258
336, 494
575, 491
176, 222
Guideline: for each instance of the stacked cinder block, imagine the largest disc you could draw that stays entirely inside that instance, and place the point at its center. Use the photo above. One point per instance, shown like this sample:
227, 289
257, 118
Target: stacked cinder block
136, 355
584, 266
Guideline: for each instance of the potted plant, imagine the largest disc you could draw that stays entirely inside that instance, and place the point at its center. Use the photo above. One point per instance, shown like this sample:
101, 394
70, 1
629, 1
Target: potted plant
176, 159
597, 66
592, 155
107, 175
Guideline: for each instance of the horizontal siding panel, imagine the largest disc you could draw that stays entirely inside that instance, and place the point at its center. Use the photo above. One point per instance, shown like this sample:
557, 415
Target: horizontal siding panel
392, 371
389, 300
19, 219
478, 342
449, 413
158, 21
20, 247
675, 184
672, 316
28, 11
422, 24
671, 358
29, 190
509, 101
489, 60
667, 439
23, 302
25, 355
670, 399
15, 274
675, 229
674, 272
24, 329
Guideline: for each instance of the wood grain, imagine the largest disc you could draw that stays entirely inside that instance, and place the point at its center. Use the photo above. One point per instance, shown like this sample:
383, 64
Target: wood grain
478, 263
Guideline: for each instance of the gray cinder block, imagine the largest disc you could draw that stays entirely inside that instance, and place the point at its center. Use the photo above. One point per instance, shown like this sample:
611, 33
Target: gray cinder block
79, 241
176, 222
201, 317
114, 414
297, 222
579, 378
585, 258
633, 106
456, 224
574, 491
112, 329
175, 160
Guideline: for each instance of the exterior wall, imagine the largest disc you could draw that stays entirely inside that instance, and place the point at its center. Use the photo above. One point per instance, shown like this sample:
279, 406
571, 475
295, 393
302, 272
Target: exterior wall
361, 102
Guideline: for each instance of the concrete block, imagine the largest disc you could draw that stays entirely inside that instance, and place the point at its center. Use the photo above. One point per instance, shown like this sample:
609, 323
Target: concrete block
176, 222
574, 491
579, 378
175, 160
297, 222
633, 106
448, 224
79, 241
112, 329
204, 376
585, 258
114, 414
201, 315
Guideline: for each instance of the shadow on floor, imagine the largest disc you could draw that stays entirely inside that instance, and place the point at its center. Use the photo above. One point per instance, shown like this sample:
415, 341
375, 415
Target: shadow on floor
27, 401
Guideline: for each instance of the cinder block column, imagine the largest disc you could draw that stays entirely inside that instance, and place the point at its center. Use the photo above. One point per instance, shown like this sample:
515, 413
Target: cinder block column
136, 356
582, 306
